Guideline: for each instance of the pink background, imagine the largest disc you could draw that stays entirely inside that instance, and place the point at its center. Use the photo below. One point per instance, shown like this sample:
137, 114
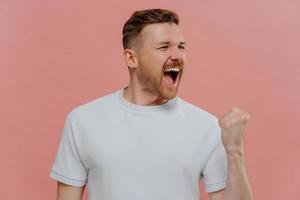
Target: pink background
55, 55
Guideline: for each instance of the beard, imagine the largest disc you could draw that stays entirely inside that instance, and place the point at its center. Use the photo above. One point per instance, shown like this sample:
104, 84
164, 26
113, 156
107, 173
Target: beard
154, 82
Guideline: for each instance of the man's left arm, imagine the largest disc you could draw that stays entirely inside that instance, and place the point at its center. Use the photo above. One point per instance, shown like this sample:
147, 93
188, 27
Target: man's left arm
233, 126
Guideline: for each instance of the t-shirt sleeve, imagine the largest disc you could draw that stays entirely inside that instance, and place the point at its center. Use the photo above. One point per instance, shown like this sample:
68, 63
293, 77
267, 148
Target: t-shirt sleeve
68, 167
215, 172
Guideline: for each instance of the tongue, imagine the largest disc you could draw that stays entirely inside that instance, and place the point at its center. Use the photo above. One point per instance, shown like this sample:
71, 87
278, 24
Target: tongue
168, 79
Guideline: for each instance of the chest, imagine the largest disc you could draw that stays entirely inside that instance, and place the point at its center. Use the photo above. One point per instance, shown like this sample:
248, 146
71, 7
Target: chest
139, 146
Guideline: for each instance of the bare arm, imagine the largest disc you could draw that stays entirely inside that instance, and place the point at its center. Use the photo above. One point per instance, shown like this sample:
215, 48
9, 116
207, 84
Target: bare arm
218, 195
237, 186
67, 192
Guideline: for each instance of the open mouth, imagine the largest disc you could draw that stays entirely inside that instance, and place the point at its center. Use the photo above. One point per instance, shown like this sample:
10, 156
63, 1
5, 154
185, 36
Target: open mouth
171, 74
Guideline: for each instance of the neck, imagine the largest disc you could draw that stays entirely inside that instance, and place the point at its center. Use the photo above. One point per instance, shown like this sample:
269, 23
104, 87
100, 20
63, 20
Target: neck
141, 96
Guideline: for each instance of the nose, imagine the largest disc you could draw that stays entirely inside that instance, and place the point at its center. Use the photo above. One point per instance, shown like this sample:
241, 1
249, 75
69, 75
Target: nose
177, 54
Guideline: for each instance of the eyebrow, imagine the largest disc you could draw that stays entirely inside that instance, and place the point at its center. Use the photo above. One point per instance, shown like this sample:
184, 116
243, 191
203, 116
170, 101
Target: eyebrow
167, 42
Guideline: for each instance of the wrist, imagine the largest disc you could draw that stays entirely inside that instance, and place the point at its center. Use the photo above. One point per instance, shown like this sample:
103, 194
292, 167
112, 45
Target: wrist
235, 151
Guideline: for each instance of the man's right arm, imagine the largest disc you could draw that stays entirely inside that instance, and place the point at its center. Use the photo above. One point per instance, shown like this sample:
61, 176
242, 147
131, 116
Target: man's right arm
68, 192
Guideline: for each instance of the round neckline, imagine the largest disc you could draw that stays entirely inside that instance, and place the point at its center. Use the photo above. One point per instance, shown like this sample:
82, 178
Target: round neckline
136, 107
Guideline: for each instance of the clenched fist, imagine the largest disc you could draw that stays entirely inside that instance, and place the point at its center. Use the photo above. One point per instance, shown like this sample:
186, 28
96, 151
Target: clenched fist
233, 126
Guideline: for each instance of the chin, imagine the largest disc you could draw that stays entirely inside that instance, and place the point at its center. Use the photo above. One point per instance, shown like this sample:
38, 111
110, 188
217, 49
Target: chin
169, 94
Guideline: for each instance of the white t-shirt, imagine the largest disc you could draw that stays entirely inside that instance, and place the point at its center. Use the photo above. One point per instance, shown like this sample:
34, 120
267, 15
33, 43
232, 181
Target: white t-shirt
127, 151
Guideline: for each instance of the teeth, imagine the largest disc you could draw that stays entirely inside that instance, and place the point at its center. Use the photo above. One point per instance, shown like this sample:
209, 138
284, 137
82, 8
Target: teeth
174, 69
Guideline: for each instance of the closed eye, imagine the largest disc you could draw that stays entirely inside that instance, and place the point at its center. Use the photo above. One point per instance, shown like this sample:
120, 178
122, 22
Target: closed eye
163, 47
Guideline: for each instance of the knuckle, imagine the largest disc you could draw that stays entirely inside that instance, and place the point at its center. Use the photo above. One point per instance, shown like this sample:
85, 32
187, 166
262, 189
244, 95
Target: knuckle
235, 109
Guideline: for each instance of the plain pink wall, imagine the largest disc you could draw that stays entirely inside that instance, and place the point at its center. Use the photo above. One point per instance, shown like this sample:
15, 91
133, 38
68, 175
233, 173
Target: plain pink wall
55, 55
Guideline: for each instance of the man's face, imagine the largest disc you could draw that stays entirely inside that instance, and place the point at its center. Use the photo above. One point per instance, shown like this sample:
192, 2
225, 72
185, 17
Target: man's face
161, 57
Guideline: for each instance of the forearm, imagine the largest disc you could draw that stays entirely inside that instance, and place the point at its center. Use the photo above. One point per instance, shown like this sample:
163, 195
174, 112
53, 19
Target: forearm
237, 186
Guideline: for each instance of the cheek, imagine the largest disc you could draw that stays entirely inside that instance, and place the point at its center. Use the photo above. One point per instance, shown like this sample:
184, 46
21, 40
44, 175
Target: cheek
184, 56
153, 65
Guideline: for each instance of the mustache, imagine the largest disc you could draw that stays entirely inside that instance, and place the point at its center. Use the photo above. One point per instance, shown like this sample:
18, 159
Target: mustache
175, 63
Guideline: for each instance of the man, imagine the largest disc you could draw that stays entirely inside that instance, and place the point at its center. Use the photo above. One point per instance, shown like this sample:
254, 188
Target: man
143, 141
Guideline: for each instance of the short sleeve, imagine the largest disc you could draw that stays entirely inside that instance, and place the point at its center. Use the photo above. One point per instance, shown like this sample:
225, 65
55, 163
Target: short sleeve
215, 171
68, 167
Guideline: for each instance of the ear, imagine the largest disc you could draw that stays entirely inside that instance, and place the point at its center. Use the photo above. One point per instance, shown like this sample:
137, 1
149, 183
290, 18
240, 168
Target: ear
130, 58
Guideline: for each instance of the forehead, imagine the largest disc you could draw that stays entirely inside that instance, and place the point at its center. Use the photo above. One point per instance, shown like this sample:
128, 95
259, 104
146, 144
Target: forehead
160, 32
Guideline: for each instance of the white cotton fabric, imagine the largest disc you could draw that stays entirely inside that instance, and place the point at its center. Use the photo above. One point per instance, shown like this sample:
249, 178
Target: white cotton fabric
127, 151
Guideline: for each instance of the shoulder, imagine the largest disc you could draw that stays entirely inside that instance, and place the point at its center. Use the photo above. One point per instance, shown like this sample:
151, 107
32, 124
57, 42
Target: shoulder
95, 108
202, 122
197, 113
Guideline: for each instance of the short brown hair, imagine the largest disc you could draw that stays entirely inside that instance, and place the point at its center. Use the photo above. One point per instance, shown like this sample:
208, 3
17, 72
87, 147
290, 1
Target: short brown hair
140, 19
